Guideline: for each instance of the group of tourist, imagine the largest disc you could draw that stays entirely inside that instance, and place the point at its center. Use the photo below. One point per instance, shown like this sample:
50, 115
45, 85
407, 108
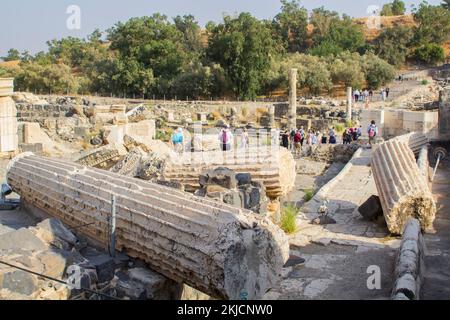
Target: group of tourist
293, 140
367, 95
351, 134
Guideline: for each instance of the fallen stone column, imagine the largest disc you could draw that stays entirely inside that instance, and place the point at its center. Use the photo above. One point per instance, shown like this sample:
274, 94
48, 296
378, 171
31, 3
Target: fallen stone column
275, 168
221, 250
415, 141
403, 191
103, 157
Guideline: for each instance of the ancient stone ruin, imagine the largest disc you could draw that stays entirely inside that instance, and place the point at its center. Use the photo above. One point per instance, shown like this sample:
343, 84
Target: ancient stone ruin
8, 118
403, 191
274, 167
219, 249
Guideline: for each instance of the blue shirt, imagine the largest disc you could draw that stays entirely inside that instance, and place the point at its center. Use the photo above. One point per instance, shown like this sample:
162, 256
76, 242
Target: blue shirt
177, 138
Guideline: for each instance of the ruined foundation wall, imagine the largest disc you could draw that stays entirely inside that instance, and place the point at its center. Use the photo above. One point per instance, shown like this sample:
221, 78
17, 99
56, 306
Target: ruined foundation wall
403, 191
216, 248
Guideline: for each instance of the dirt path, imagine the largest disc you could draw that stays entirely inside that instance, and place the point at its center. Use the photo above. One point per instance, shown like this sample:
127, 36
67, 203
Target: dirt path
437, 260
338, 255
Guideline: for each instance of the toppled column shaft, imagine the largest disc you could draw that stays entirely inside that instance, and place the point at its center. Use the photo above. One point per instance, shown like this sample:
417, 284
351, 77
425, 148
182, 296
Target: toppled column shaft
403, 191
273, 167
216, 248
415, 141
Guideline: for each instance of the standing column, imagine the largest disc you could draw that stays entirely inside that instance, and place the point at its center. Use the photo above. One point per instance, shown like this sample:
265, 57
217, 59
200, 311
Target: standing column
8, 117
349, 103
292, 98
271, 116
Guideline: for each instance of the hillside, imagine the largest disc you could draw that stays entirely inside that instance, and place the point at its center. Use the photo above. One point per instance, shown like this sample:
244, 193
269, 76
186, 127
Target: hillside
385, 22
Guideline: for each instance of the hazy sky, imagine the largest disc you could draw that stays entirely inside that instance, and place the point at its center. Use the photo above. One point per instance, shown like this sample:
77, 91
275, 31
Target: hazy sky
28, 24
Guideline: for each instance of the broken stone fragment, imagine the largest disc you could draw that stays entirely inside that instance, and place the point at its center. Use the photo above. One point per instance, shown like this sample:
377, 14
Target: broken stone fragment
402, 189
406, 284
371, 209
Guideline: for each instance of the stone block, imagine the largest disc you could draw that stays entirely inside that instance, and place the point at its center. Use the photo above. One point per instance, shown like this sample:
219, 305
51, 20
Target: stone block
143, 130
22, 239
36, 148
367, 116
371, 209
6, 87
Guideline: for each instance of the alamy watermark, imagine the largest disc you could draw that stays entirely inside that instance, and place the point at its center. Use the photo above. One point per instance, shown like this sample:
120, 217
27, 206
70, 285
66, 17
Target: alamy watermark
374, 18
73, 22
374, 280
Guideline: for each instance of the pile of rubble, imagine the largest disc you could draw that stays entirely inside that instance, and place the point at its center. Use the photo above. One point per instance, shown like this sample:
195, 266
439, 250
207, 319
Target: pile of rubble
331, 152
52, 250
239, 190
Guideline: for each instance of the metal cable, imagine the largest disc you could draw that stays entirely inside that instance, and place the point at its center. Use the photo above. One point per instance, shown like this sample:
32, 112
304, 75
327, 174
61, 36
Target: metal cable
56, 280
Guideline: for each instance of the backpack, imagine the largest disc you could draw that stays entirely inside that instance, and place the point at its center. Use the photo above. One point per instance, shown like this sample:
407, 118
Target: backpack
372, 132
298, 137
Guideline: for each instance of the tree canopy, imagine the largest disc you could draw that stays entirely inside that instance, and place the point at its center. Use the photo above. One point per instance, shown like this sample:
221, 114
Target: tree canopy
240, 56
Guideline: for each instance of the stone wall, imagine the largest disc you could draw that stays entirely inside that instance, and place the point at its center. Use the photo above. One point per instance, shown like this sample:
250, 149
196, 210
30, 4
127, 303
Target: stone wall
393, 122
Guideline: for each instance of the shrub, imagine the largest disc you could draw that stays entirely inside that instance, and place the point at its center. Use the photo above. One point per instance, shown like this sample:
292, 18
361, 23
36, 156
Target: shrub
378, 72
288, 219
309, 194
430, 54
339, 128
424, 82
216, 115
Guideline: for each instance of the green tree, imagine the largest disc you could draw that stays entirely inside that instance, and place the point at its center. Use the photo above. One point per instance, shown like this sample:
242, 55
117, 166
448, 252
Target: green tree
395, 8
393, 44
200, 82
377, 71
347, 69
291, 25
431, 54
243, 47
433, 24
386, 10
151, 45
191, 32
322, 21
333, 35
55, 78
313, 73
12, 55
398, 8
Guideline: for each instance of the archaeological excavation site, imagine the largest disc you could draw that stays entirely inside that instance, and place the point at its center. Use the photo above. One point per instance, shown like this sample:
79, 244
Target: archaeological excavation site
211, 185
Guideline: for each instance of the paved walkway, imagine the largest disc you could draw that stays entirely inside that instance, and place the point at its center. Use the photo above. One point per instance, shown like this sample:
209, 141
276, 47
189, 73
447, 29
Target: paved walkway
338, 255
436, 284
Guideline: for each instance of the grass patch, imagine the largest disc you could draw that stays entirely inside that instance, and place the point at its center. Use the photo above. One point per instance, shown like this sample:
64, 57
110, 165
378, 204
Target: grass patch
288, 215
309, 194
349, 123
339, 128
